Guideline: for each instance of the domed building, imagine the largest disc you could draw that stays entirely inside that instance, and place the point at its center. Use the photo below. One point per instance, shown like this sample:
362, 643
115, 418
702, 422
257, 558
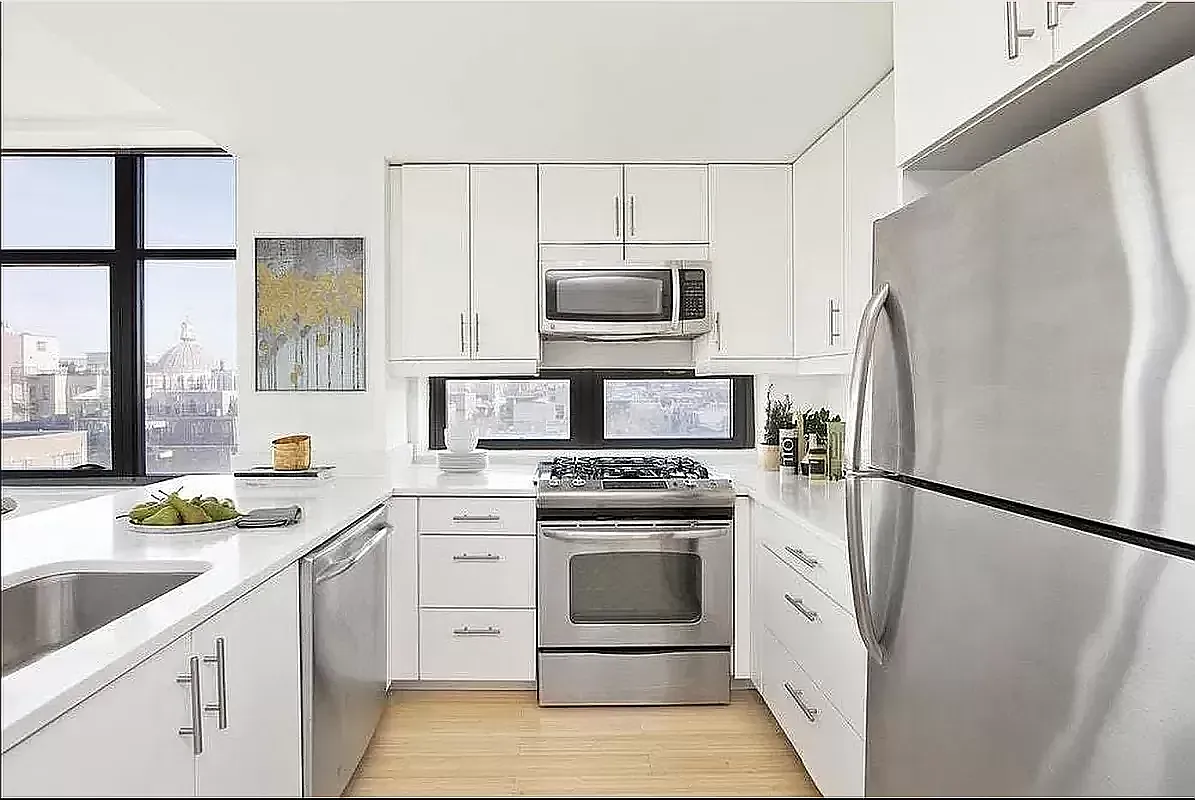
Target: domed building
190, 409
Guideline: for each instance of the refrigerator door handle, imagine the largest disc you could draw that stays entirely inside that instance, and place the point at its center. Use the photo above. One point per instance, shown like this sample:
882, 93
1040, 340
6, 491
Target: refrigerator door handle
856, 552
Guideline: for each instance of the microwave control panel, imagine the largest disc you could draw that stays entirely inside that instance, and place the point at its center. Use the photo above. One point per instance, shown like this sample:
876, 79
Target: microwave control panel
692, 294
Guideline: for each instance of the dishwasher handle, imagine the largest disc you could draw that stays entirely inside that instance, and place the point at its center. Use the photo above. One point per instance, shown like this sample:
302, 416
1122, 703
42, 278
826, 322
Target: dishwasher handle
345, 564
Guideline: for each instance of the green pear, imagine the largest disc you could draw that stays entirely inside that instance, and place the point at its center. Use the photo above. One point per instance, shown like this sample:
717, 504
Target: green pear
167, 515
218, 511
191, 514
143, 510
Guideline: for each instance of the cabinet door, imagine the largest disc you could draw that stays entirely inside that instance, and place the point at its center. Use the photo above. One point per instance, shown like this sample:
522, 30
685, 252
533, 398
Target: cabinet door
743, 586
667, 203
751, 276
434, 262
1078, 23
123, 741
252, 730
872, 190
952, 61
580, 203
818, 247
504, 248
403, 590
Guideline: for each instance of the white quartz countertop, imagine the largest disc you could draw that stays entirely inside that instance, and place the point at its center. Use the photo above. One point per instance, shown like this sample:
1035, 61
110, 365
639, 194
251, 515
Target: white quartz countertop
498, 480
819, 505
87, 536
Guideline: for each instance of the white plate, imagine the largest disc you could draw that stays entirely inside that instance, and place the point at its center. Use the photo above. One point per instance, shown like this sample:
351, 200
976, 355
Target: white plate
462, 470
174, 530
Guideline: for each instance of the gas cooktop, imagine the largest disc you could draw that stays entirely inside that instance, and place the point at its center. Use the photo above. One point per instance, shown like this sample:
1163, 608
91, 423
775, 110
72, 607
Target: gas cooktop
590, 481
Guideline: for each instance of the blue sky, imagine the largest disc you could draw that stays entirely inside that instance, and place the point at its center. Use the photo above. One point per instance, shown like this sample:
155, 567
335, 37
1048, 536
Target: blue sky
56, 202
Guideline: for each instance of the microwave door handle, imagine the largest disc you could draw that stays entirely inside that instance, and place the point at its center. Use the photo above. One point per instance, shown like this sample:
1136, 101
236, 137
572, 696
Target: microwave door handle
676, 298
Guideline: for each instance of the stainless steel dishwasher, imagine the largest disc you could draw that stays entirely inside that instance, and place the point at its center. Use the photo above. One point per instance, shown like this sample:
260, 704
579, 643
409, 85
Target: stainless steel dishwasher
342, 605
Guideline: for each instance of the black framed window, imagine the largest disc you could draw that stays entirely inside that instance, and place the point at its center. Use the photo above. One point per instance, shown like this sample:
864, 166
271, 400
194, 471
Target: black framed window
665, 409
118, 308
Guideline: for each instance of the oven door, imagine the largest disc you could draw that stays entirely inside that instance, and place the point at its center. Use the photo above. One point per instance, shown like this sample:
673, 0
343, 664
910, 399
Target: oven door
619, 301
641, 584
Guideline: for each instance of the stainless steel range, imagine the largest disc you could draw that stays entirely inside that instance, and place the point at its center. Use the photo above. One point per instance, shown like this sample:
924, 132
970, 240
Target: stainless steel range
636, 560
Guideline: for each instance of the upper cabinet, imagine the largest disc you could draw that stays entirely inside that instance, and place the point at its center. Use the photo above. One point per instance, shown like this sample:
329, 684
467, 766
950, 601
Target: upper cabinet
819, 233
751, 277
1073, 25
582, 204
504, 261
432, 231
612, 204
464, 279
952, 60
958, 63
666, 204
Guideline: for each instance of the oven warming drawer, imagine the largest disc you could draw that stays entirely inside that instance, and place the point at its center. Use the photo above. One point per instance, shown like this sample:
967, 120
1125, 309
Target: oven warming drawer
689, 677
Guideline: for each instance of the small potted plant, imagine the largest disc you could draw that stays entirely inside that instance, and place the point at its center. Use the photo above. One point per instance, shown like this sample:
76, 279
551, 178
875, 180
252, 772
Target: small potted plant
778, 415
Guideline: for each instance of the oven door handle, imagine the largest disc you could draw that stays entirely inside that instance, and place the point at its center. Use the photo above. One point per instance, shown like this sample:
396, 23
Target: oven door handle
622, 532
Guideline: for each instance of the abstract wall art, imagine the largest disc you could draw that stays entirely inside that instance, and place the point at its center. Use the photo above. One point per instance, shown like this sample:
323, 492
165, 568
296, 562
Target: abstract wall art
310, 314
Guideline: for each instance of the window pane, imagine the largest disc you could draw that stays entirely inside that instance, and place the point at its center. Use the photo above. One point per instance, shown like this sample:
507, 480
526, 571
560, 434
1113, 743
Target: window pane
55, 381
57, 201
190, 201
511, 409
190, 369
667, 409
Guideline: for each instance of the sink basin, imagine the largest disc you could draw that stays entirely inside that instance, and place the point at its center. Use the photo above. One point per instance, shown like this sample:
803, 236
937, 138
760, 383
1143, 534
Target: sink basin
40, 615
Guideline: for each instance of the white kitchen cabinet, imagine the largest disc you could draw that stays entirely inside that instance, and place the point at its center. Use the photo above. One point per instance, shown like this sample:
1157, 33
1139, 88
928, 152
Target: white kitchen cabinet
953, 60
1073, 25
476, 645
819, 247
403, 590
252, 743
872, 191
666, 203
580, 203
123, 741
743, 580
479, 571
433, 237
502, 210
751, 277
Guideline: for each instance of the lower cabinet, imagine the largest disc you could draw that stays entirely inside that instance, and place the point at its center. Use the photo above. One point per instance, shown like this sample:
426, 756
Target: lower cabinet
140, 735
476, 644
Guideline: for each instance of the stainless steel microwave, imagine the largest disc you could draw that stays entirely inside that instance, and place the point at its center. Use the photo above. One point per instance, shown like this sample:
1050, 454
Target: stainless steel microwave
624, 300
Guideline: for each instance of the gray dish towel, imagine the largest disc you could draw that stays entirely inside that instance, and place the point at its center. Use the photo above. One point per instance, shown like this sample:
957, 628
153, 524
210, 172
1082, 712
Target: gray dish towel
271, 517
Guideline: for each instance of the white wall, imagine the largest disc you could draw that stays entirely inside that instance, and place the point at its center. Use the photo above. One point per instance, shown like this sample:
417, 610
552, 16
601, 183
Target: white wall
806, 390
282, 193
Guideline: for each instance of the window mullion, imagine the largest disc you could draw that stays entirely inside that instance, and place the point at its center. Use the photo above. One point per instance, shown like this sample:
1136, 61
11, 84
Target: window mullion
127, 356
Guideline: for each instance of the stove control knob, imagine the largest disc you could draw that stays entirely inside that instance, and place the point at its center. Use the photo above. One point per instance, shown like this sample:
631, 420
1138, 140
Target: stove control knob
578, 483
554, 482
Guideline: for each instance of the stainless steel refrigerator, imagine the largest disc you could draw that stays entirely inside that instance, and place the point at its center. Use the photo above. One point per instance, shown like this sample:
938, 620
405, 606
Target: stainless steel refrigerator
1021, 511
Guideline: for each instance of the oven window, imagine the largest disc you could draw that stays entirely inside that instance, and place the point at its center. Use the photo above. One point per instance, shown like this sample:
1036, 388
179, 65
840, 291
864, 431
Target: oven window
623, 296
634, 587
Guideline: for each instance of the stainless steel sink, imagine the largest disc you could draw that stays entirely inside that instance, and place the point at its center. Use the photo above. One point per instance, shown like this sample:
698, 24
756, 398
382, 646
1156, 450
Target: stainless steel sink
43, 614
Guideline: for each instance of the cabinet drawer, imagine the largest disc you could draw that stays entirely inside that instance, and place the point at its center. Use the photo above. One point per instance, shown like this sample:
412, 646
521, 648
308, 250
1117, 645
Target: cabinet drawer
830, 749
817, 633
476, 515
808, 553
486, 571
476, 645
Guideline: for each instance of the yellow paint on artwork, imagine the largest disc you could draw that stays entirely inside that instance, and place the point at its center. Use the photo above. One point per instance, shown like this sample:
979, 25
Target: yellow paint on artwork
286, 302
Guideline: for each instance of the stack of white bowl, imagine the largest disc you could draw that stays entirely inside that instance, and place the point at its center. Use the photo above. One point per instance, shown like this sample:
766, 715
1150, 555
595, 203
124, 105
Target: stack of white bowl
462, 454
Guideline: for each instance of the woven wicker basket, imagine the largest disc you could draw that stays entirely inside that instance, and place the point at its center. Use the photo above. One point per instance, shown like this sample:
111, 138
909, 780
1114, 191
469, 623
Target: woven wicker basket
292, 452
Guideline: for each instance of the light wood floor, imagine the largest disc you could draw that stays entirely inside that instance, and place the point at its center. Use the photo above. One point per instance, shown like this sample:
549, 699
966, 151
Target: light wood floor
489, 743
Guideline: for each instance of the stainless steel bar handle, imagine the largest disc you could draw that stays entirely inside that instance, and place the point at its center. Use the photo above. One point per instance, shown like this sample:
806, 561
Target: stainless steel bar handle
617, 216
477, 557
718, 328
490, 630
345, 564
798, 697
830, 322
807, 612
465, 516
476, 332
613, 535
1054, 13
195, 729
220, 707
631, 228
802, 556
463, 333
856, 552
1015, 32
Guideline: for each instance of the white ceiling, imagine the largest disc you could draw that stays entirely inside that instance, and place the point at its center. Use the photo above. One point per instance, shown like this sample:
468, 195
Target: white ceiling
440, 81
